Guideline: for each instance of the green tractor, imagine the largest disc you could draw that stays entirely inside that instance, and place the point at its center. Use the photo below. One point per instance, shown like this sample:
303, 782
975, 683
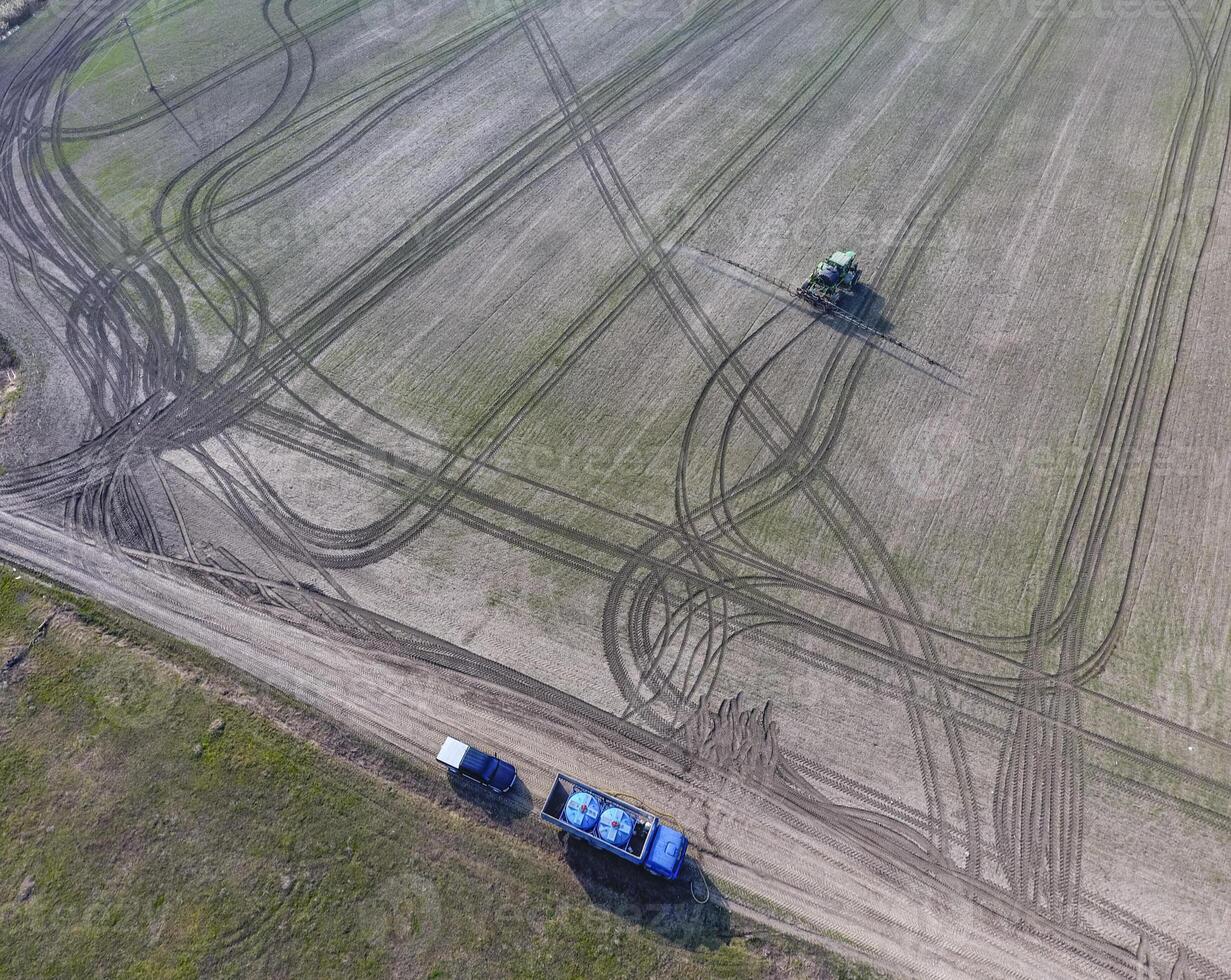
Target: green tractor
835, 276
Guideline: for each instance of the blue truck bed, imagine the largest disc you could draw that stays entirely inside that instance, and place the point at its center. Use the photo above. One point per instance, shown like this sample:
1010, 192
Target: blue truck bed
604, 821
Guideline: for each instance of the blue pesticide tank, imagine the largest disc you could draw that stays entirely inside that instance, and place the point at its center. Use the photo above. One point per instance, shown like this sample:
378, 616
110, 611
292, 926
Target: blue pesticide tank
625, 830
615, 826
581, 811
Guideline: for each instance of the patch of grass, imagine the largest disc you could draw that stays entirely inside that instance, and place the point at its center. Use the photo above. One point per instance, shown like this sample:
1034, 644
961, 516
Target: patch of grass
120, 183
72, 150
114, 55
14, 12
8, 356
160, 847
10, 391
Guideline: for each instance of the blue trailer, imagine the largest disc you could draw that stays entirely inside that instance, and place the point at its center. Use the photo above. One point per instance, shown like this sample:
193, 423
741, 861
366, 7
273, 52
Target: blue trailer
609, 823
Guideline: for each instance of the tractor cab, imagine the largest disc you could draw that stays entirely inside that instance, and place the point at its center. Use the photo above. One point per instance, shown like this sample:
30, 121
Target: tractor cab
839, 268
833, 276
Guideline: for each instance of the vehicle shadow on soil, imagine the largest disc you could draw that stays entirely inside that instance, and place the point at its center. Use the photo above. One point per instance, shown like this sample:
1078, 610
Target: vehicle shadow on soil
502, 808
666, 907
861, 316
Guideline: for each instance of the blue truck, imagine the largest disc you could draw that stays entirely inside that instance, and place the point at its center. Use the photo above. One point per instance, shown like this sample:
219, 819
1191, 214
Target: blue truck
496, 774
607, 822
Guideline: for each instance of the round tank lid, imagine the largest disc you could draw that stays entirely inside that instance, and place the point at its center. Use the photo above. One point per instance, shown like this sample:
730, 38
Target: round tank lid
615, 826
581, 810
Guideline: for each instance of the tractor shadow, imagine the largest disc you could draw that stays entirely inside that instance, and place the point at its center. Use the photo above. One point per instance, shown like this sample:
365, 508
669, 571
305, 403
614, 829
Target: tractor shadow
501, 808
865, 305
868, 307
862, 317
668, 908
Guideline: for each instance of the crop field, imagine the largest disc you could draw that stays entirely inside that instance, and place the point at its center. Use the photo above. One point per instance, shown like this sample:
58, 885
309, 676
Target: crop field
439, 363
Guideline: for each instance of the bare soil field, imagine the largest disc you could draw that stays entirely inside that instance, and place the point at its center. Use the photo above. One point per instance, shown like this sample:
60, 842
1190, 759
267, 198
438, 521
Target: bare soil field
439, 364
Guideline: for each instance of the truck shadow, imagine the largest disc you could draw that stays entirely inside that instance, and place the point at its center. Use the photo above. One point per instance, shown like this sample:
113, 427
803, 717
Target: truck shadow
502, 808
666, 907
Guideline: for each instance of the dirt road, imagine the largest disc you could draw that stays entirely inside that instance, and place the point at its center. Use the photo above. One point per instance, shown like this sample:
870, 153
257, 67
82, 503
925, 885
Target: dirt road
804, 859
